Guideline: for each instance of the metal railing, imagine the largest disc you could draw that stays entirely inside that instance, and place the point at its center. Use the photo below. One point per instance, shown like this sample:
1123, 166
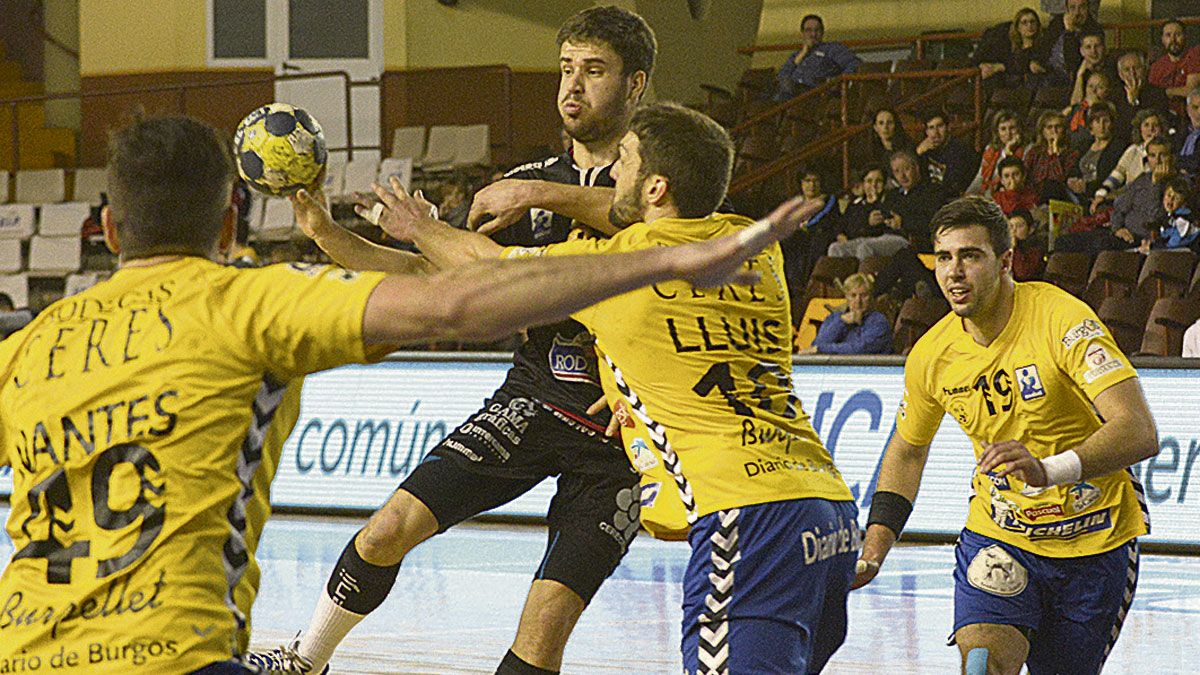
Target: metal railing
847, 133
919, 43
182, 90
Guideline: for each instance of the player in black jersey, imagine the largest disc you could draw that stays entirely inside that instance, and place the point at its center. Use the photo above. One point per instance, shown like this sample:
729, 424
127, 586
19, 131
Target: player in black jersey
536, 424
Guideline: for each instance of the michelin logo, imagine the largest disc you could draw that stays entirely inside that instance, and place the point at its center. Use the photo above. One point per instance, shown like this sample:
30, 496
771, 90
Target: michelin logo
1063, 529
1084, 330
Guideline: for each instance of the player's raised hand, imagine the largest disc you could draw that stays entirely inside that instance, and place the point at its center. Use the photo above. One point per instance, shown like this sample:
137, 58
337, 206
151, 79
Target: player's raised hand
397, 212
504, 201
312, 212
1017, 461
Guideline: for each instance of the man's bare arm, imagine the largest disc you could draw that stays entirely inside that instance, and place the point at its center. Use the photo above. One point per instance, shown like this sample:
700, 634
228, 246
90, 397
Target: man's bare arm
409, 218
347, 248
900, 472
510, 199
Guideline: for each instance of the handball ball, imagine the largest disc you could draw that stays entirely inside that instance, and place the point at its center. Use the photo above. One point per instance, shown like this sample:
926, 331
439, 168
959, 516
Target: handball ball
280, 149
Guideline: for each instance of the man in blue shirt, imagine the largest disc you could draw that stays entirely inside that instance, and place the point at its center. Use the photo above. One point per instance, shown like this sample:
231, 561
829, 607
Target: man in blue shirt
815, 62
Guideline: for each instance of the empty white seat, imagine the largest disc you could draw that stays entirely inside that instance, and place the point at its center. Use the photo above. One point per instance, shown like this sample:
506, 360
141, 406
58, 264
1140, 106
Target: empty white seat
335, 179
472, 146
77, 283
54, 255
443, 146
398, 167
360, 173
10, 255
41, 186
89, 183
408, 142
63, 220
16, 221
16, 287
3, 187
278, 220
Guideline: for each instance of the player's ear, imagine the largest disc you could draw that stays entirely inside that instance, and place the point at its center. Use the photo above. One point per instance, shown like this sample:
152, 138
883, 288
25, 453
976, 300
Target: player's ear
656, 189
228, 228
110, 231
1006, 259
637, 86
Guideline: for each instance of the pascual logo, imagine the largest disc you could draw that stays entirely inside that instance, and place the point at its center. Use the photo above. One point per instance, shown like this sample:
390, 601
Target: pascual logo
1040, 511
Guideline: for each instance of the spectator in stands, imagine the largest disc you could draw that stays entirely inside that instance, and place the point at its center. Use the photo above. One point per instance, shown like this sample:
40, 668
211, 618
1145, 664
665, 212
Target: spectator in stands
1136, 211
913, 202
1097, 91
802, 249
1005, 55
857, 328
1136, 94
887, 136
1147, 126
1056, 8
1177, 71
1051, 162
1093, 58
867, 222
1191, 341
1029, 248
1014, 195
1006, 141
1189, 150
1099, 158
1058, 45
1179, 229
814, 62
948, 162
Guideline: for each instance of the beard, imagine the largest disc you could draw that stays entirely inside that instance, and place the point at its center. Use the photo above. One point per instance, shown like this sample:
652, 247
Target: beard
598, 124
627, 209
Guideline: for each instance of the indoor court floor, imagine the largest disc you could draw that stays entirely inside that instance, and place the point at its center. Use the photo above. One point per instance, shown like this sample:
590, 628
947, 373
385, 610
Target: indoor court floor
456, 603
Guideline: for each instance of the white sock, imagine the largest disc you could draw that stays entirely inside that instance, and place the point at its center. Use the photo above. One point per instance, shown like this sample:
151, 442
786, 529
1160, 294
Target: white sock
326, 630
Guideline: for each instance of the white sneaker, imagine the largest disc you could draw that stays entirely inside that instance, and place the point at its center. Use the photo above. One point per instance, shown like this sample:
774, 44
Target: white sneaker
283, 660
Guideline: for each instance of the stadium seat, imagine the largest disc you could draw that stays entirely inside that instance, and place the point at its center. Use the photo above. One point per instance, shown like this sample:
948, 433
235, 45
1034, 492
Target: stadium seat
16, 221
360, 173
77, 283
1126, 319
63, 220
1114, 273
396, 166
16, 286
41, 186
1069, 271
916, 316
89, 185
1168, 320
335, 179
874, 265
408, 143
54, 256
278, 221
3, 187
441, 150
1194, 287
1166, 274
827, 272
472, 146
10, 255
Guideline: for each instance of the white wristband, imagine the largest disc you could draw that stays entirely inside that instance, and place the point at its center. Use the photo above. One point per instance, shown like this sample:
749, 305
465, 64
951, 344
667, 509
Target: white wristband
1063, 468
758, 229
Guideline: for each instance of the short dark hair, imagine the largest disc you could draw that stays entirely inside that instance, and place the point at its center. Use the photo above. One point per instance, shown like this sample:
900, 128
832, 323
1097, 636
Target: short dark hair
1162, 142
810, 17
1092, 32
1009, 162
974, 210
862, 172
627, 33
170, 180
1141, 116
1182, 187
1101, 108
690, 150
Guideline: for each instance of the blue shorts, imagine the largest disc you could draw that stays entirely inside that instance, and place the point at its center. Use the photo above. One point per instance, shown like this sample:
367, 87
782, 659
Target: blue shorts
1072, 608
765, 589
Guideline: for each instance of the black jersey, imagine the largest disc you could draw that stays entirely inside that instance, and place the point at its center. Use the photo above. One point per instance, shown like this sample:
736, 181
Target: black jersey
557, 364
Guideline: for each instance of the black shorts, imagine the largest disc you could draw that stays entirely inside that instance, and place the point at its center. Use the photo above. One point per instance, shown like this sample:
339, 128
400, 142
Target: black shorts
512, 444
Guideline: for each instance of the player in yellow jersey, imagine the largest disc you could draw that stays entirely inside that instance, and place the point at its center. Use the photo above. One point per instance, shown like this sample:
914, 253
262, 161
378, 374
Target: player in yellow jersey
1047, 563
133, 415
700, 379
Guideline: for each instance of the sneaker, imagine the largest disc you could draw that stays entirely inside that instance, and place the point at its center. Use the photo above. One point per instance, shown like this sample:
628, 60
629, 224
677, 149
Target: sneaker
283, 660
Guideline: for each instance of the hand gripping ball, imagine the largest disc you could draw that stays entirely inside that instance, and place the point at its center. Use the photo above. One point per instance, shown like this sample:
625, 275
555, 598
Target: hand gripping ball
280, 149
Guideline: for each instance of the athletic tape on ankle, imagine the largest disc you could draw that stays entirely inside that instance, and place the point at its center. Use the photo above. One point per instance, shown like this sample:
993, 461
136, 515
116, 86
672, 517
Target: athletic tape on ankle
358, 586
1063, 468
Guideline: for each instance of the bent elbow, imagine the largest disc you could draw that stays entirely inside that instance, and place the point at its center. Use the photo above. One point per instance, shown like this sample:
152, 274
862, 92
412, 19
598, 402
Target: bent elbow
1149, 436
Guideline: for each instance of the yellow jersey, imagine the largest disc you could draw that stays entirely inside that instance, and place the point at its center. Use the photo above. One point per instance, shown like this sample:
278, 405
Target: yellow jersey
701, 381
1035, 383
143, 420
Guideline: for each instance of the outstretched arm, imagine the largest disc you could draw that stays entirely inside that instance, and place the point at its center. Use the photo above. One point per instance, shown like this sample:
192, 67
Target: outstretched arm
347, 248
488, 299
510, 199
